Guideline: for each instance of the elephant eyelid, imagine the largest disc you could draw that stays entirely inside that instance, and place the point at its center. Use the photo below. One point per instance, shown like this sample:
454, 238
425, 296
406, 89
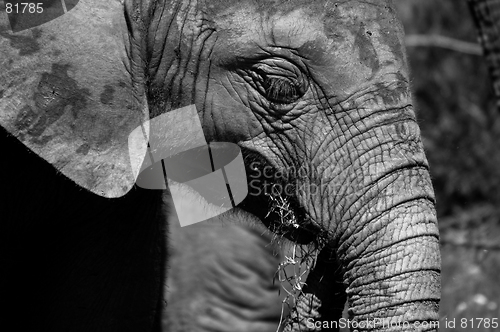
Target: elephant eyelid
280, 84
281, 90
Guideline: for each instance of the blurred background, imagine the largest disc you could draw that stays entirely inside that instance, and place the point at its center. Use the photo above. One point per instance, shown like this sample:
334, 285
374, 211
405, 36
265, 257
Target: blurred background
460, 124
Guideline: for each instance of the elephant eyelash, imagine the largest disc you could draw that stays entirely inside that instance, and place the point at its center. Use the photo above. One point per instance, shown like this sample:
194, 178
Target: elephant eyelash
281, 90
280, 81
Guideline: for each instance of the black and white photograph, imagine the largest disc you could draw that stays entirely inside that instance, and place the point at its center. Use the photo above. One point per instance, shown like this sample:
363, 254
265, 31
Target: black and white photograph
249, 165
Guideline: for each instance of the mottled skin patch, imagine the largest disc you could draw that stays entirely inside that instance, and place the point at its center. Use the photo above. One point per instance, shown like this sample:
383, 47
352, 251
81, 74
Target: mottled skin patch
392, 96
56, 93
392, 39
106, 96
56, 53
95, 130
367, 52
25, 118
83, 149
25, 45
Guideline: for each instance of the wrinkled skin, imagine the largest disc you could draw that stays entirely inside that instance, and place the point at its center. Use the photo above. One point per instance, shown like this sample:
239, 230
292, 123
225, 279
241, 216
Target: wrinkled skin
317, 86
221, 276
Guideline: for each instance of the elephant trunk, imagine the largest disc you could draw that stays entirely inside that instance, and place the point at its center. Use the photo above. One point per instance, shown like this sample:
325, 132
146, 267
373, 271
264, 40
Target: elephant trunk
384, 253
396, 287
400, 295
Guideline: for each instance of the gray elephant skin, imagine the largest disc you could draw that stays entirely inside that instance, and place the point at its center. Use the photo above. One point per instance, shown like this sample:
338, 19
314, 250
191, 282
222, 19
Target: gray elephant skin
221, 276
315, 93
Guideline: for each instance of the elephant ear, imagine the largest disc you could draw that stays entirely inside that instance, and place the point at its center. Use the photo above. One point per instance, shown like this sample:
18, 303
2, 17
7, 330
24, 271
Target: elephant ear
72, 90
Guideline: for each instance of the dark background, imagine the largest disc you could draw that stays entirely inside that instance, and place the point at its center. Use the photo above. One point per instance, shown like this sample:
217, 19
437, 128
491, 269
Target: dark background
461, 133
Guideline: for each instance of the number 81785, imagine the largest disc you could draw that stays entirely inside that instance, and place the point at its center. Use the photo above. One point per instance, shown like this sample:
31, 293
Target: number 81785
24, 8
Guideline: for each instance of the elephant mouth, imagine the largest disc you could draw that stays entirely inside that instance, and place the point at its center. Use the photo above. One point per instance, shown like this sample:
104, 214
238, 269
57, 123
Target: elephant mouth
270, 199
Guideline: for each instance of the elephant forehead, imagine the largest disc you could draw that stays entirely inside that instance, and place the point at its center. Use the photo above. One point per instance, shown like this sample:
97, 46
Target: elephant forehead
273, 6
311, 27
295, 17
249, 25
356, 42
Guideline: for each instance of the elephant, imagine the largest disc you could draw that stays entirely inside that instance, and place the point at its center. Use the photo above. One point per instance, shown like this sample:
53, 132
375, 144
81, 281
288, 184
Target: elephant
315, 94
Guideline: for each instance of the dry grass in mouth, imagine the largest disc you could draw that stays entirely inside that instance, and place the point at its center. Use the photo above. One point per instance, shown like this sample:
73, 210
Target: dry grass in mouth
299, 259
292, 274
281, 206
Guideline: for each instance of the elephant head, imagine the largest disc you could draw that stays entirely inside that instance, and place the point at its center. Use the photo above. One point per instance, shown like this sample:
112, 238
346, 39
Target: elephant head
315, 93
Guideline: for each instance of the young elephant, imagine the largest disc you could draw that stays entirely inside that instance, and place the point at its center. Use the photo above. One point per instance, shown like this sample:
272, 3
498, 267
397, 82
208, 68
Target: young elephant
315, 93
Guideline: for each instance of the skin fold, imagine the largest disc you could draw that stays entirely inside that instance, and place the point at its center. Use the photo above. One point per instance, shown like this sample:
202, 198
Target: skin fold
221, 276
317, 96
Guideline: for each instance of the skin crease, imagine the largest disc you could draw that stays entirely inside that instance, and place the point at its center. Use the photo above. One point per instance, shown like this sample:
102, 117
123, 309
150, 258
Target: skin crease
320, 86
221, 276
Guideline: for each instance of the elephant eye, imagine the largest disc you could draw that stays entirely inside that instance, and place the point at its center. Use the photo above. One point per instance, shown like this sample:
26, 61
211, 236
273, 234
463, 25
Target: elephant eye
279, 81
281, 90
